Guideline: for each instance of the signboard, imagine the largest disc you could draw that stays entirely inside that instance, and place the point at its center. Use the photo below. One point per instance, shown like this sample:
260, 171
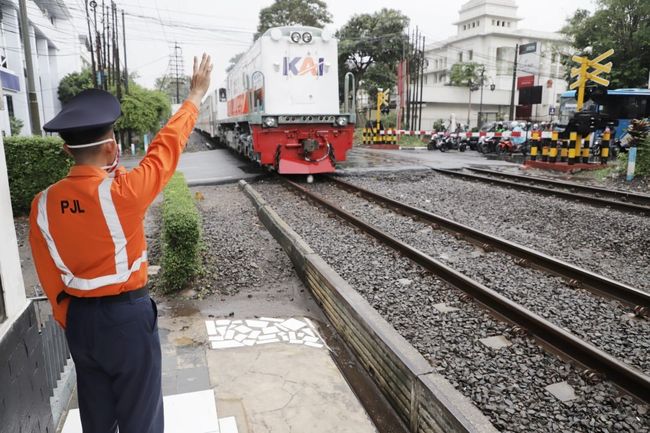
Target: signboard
528, 48
530, 95
529, 58
551, 110
525, 81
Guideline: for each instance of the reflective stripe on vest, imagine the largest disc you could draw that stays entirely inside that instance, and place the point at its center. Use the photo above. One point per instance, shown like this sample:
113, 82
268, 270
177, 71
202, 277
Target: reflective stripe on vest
122, 270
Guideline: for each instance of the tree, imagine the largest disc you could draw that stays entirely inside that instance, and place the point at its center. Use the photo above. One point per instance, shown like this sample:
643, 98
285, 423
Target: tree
289, 12
465, 74
367, 39
73, 84
15, 125
167, 85
233, 61
623, 25
143, 110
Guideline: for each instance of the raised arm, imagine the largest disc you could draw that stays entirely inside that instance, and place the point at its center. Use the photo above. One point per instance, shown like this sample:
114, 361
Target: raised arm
157, 167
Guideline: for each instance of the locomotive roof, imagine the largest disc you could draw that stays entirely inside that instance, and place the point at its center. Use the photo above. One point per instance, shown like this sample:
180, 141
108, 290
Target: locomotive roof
286, 30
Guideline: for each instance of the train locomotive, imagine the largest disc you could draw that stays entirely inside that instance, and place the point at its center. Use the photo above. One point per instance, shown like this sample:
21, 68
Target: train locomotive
280, 103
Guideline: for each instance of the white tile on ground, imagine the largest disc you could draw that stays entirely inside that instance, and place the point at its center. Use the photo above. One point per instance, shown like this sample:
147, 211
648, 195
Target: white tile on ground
295, 341
236, 322
273, 340
221, 330
257, 323
270, 330
254, 334
72, 422
215, 338
249, 342
194, 412
266, 337
272, 319
228, 425
310, 339
243, 329
230, 334
240, 337
293, 324
222, 322
301, 334
226, 344
283, 337
210, 327
309, 332
279, 326
309, 343
292, 335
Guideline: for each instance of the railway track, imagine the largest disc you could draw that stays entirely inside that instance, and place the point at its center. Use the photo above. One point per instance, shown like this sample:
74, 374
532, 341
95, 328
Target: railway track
621, 200
559, 339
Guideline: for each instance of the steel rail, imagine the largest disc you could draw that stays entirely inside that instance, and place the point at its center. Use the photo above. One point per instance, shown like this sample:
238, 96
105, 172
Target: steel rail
626, 377
598, 284
642, 199
564, 194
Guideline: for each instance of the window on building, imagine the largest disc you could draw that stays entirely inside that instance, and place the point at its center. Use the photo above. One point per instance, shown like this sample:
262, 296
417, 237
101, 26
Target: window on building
460, 57
493, 21
473, 24
498, 23
470, 55
508, 23
10, 105
505, 60
464, 27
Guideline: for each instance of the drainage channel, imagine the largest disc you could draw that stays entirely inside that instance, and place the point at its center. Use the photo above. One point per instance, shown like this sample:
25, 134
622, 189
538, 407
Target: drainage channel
627, 378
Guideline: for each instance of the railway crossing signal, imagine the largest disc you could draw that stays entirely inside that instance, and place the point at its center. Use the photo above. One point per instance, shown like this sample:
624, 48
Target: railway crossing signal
584, 75
383, 99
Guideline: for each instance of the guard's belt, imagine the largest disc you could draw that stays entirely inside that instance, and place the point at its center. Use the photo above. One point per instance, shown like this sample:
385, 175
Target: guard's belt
122, 297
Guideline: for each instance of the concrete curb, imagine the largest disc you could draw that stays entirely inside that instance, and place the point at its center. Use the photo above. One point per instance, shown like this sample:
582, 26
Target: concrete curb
424, 400
225, 180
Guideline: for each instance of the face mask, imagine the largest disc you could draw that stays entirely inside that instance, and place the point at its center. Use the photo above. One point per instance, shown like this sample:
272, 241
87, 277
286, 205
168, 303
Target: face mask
111, 168
108, 168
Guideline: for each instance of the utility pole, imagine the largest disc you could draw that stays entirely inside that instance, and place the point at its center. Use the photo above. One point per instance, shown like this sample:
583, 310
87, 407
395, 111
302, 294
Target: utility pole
31, 86
514, 82
126, 69
116, 53
92, 50
480, 109
422, 61
176, 69
104, 50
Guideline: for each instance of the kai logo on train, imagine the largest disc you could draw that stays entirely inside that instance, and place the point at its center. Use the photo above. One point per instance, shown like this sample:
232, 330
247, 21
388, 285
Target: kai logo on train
303, 66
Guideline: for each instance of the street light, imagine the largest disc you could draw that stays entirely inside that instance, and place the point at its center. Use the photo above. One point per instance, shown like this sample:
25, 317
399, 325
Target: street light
472, 88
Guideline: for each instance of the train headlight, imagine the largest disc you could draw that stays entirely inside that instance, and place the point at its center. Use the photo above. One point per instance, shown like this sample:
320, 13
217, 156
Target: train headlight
295, 37
341, 120
270, 122
306, 37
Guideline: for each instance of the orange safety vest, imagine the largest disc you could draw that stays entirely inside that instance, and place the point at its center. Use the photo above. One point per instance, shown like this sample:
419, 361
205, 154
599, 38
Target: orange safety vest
86, 231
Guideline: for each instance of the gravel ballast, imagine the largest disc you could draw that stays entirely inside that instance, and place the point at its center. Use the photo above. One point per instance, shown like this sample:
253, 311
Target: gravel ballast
602, 322
506, 384
610, 242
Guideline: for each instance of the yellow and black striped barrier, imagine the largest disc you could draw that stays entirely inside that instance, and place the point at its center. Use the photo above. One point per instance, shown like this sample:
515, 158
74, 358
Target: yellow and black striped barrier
573, 146
604, 147
585, 150
564, 151
552, 151
376, 136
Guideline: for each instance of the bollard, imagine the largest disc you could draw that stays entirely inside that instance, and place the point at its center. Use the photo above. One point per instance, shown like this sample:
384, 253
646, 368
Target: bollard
545, 147
564, 150
577, 145
585, 150
604, 146
533, 147
631, 164
552, 152
573, 138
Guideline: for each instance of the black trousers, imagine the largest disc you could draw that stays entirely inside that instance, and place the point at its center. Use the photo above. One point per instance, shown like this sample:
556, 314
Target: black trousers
116, 351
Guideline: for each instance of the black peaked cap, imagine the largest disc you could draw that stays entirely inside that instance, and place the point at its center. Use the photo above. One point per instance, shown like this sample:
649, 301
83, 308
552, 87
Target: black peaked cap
90, 109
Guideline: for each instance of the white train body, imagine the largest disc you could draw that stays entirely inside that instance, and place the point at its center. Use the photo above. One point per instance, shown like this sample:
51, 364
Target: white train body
280, 104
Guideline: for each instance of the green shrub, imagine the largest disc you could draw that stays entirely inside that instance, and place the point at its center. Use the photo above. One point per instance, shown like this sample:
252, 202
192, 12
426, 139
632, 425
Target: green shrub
33, 163
181, 236
15, 125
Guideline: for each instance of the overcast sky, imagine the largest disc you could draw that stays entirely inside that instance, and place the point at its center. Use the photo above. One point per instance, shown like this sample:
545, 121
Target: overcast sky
224, 28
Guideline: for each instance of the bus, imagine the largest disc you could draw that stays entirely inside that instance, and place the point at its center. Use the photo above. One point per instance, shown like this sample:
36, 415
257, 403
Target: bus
623, 105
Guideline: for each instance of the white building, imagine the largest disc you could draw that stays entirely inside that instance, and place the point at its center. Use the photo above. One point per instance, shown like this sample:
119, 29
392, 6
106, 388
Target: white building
59, 46
487, 34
